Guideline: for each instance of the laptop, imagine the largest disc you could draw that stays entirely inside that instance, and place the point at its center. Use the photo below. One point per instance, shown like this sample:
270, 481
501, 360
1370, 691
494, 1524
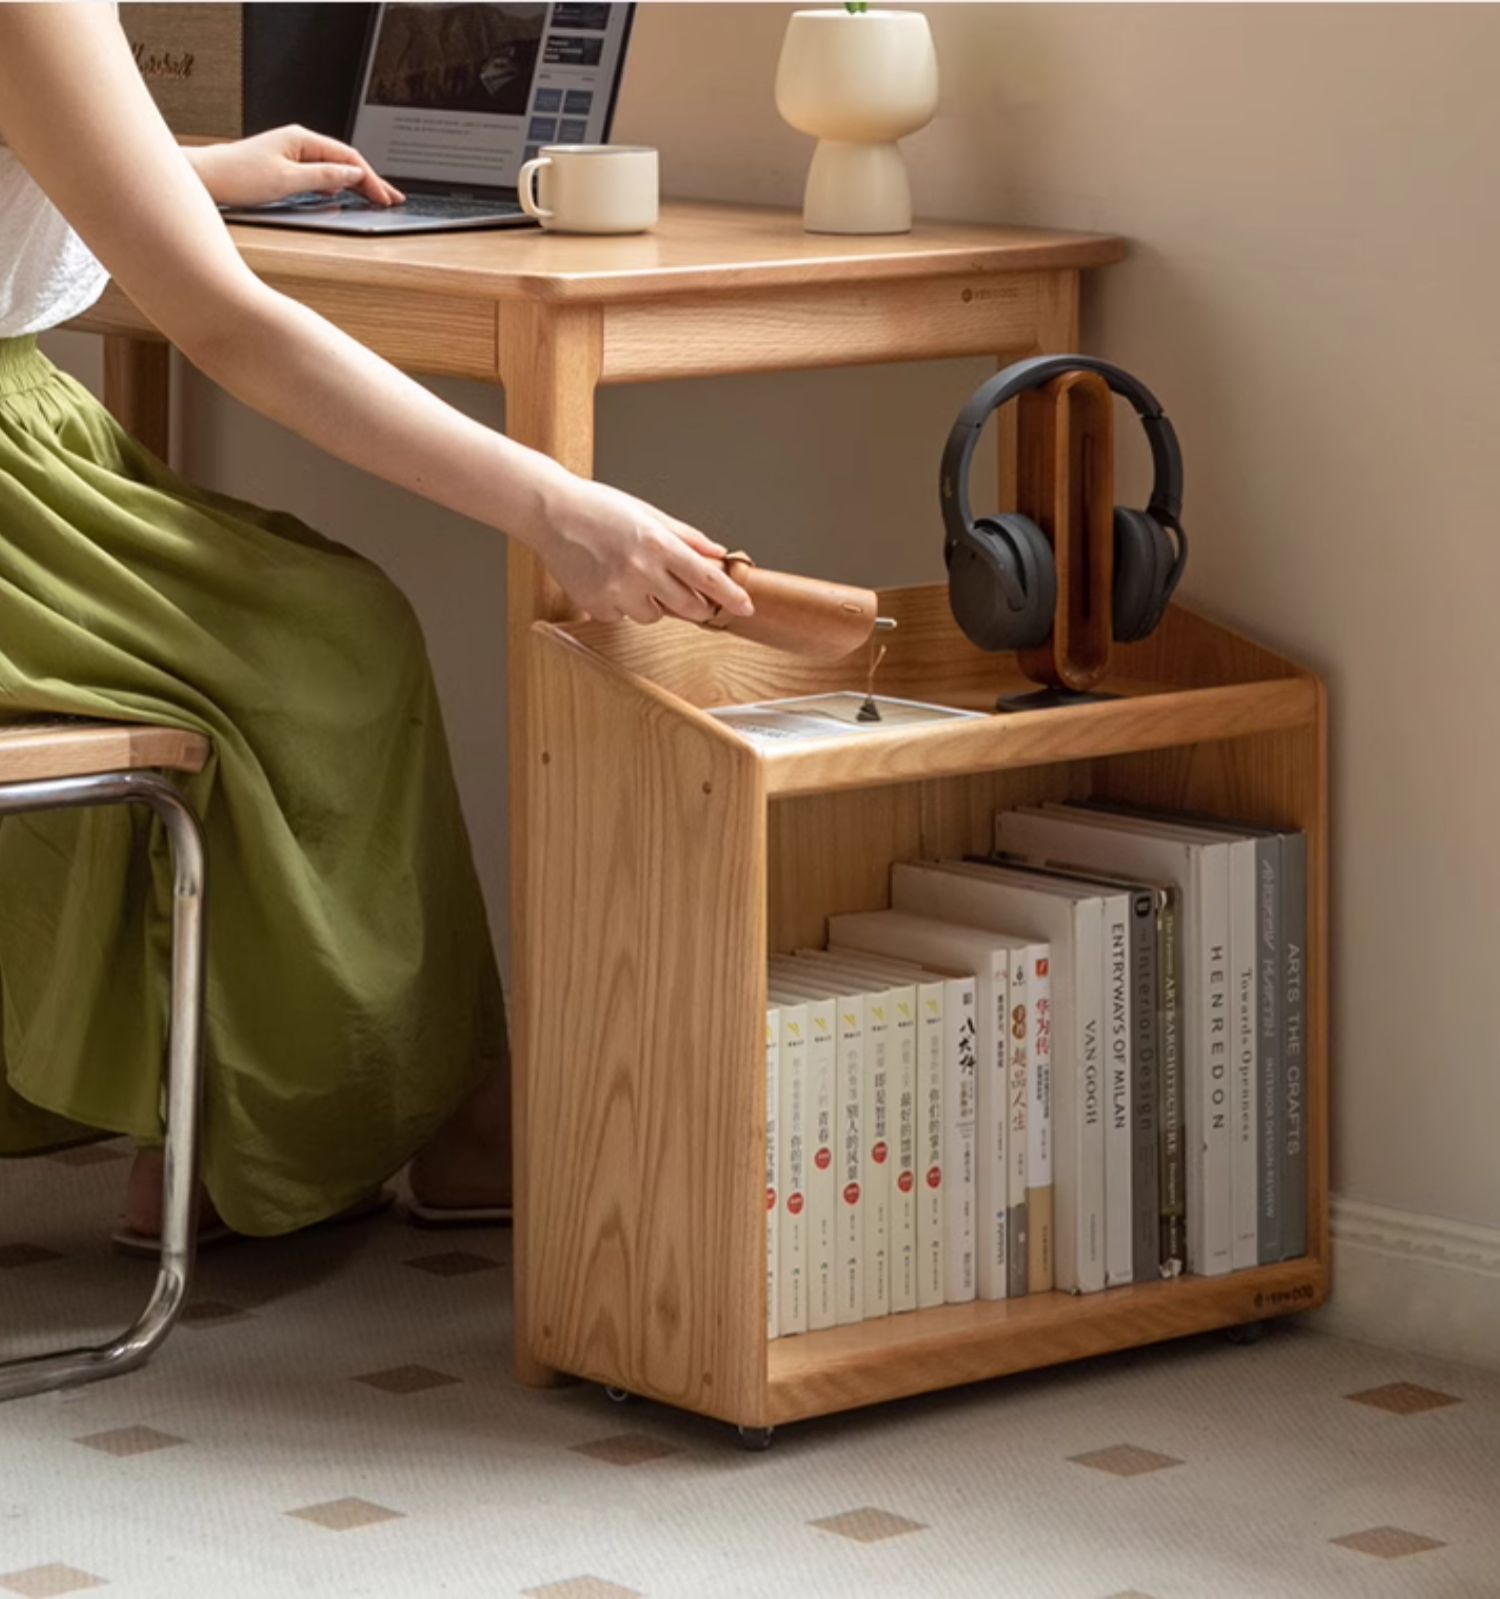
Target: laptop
451, 99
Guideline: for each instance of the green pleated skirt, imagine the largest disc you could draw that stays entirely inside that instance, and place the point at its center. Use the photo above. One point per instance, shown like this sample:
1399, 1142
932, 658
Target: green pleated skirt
352, 997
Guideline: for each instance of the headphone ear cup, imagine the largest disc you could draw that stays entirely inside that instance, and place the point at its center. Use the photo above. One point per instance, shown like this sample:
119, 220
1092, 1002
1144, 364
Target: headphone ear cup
1002, 583
1144, 558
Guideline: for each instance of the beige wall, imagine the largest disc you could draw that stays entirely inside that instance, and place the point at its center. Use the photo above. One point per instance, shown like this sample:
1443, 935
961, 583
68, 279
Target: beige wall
1311, 192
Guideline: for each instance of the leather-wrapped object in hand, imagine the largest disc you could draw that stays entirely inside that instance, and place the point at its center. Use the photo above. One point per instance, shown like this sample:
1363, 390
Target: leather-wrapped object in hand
802, 615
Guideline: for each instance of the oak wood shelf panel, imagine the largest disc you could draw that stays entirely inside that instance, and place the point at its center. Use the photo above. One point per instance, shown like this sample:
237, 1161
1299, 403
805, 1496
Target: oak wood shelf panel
670, 855
926, 1350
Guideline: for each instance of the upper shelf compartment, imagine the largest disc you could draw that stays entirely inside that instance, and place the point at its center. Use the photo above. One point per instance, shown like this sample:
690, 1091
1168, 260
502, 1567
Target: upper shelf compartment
1191, 682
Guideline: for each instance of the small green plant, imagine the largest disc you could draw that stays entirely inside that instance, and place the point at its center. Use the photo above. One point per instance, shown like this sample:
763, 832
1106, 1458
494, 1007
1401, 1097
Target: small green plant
856, 8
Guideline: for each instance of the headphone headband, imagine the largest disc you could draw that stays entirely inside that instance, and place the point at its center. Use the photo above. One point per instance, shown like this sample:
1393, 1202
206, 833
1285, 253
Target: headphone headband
958, 453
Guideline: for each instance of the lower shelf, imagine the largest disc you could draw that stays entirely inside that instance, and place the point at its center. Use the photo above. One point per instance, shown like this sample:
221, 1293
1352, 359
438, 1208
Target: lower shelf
821, 1373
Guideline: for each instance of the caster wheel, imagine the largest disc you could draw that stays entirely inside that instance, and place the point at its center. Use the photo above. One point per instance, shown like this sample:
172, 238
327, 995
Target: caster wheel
1248, 1332
755, 1440
620, 1396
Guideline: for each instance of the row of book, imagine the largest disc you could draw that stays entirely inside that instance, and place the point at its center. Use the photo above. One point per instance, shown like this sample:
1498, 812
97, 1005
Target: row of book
1073, 1064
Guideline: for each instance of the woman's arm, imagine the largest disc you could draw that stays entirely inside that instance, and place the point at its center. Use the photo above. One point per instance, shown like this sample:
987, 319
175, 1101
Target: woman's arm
76, 112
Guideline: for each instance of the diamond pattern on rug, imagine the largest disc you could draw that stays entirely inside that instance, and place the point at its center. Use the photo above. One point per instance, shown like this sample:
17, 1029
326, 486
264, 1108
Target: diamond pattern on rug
407, 1379
1404, 1398
452, 1263
626, 1449
868, 1524
583, 1588
123, 1441
342, 1515
1387, 1543
16, 1255
1125, 1460
49, 1582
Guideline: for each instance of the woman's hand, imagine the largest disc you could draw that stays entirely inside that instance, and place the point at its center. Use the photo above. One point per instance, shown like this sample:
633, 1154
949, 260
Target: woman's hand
619, 557
286, 161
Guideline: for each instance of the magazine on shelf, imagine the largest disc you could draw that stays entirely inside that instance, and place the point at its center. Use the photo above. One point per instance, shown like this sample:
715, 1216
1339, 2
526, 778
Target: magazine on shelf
811, 718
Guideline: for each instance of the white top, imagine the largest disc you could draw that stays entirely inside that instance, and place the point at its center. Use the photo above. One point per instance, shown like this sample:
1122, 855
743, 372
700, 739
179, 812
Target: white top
47, 273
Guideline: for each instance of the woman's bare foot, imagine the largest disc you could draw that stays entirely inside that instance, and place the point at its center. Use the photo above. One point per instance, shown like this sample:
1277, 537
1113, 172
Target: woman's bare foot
466, 1165
141, 1212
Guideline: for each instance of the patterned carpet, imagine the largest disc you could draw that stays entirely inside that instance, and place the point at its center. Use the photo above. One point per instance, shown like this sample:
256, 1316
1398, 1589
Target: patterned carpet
336, 1419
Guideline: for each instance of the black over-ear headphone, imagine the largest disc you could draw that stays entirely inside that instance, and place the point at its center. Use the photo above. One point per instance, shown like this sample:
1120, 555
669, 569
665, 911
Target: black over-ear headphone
1002, 579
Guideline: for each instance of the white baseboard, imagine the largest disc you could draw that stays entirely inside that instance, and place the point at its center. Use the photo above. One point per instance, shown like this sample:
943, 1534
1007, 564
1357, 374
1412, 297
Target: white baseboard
1420, 1283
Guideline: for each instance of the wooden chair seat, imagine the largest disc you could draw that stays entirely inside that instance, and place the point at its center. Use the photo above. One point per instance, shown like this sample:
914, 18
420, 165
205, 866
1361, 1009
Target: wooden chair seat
34, 752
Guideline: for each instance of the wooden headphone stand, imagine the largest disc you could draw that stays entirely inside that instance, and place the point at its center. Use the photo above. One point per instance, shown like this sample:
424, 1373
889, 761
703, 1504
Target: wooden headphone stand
1065, 440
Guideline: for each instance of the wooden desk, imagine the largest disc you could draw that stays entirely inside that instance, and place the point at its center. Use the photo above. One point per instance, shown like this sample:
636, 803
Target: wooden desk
715, 289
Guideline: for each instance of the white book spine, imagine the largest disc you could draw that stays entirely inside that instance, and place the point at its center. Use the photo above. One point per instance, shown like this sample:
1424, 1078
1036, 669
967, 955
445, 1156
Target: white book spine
1017, 1095
903, 1003
877, 1193
1245, 1122
1041, 1264
1209, 1078
931, 1288
792, 1127
960, 1101
849, 1230
773, 1159
1119, 1211
822, 1179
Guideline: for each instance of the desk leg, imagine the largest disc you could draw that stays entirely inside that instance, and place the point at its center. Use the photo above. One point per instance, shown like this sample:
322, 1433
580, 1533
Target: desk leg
137, 388
549, 362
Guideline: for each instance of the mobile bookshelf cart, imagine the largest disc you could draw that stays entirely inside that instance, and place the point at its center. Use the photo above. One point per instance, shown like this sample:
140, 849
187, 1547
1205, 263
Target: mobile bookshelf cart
667, 855
655, 857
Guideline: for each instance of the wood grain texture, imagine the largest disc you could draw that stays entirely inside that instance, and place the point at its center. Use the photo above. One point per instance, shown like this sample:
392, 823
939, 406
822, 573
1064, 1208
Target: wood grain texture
925, 1350
1065, 472
831, 853
32, 752
548, 361
138, 390
443, 335
695, 247
770, 329
644, 949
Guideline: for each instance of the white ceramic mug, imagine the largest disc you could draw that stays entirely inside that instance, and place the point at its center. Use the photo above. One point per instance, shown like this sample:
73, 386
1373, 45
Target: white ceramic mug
591, 188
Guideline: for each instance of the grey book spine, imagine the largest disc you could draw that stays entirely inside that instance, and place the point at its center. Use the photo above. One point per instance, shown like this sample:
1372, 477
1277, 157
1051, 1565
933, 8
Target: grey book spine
1145, 1157
1271, 1082
1294, 1046
1172, 1122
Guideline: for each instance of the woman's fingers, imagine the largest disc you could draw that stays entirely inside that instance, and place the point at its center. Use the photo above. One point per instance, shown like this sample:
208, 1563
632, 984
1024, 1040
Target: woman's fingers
709, 579
326, 177
679, 600
318, 150
695, 538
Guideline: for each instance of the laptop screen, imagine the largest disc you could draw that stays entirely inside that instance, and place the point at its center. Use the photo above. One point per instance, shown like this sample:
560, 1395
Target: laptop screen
458, 96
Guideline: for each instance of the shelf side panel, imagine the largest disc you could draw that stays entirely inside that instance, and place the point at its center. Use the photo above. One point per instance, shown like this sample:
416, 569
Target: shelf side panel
644, 984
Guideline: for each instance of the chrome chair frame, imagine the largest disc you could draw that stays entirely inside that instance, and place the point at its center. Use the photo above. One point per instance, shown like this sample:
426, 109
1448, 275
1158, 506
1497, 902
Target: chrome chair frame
36, 1374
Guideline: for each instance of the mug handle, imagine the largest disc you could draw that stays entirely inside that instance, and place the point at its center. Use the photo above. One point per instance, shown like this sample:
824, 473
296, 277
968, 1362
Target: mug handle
526, 188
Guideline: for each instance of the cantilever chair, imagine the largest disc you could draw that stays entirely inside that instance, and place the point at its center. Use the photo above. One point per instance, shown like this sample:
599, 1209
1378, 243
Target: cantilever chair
55, 765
